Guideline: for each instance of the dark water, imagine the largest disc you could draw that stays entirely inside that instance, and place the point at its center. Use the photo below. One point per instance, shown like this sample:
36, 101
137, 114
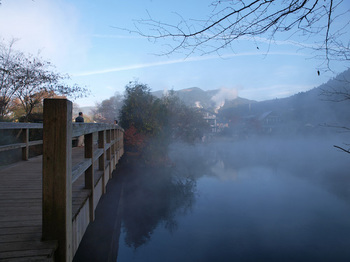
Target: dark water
263, 200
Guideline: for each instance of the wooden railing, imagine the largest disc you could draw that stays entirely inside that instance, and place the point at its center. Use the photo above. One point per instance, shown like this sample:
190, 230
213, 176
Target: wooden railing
25, 144
63, 220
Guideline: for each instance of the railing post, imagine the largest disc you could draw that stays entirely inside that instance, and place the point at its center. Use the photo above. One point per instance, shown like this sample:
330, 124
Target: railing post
109, 153
113, 148
57, 176
25, 150
89, 173
117, 146
101, 159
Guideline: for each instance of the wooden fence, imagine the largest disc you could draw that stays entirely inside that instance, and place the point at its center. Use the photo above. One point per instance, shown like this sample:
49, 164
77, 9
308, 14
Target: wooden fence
65, 216
24, 129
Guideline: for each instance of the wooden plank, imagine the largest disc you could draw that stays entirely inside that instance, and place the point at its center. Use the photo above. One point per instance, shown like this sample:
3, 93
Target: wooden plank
21, 201
98, 153
29, 259
8, 231
89, 173
24, 223
26, 254
88, 128
12, 146
20, 145
20, 237
80, 168
57, 175
12, 125
27, 245
25, 149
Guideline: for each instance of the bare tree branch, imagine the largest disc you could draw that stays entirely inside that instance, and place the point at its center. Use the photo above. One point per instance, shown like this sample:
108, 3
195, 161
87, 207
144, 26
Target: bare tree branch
343, 149
232, 20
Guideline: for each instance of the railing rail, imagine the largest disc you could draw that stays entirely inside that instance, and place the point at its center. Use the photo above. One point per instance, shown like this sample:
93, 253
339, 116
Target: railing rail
26, 144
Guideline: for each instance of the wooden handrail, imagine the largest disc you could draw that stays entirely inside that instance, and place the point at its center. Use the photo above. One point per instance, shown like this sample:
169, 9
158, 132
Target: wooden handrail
88, 128
78, 129
58, 173
12, 125
20, 145
25, 127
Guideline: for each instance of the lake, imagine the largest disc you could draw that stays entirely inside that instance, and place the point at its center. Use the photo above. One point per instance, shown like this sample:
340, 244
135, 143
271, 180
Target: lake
285, 199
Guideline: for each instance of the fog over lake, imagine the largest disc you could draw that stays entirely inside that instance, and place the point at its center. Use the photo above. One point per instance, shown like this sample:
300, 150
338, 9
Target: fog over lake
262, 199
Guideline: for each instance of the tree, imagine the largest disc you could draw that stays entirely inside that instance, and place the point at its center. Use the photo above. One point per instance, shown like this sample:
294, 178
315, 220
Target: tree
139, 109
338, 91
108, 110
10, 64
151, 124
138, 116
184, 123
30, 79
232, 20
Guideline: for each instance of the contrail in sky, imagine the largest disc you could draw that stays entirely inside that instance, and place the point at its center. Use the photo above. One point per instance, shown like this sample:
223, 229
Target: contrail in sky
175, 61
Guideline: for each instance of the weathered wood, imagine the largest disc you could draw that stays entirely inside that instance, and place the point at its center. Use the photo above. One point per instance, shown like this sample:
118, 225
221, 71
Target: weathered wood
88, 128
25, 150
113, 148
36, 258
22, 186
102, 158
33, 245
89, 173
98, 153
57, 176
12, 125
20, 145
30, 225
18, 254
80, 168
24, 237
109, 152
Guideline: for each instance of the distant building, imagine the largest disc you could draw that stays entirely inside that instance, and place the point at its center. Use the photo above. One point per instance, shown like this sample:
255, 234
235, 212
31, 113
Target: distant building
269, 121
211, 119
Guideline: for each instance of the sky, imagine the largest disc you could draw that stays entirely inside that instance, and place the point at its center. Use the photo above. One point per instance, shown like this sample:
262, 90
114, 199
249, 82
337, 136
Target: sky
83, 39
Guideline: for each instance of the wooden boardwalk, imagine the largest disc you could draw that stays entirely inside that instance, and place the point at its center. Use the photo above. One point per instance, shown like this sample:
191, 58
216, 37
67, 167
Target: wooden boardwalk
21, 210
54, 197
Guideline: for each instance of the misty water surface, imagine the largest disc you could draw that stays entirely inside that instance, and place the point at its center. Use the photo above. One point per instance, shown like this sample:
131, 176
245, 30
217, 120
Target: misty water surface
262, 200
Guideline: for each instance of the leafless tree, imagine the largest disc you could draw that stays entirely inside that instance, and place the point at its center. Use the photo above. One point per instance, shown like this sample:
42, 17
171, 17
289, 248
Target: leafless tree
338, 91
9, 66
30, 79
231, 20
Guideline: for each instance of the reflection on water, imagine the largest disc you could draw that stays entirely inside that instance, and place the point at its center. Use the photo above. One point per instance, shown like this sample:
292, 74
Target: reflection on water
153, 197
260, 201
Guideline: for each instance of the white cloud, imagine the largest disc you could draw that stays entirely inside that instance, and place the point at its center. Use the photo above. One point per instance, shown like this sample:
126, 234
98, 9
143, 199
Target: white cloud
176, 61
49, 26
108, 36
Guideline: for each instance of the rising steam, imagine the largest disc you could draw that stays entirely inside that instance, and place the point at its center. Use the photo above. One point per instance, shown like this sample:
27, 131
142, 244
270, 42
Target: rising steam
223, 95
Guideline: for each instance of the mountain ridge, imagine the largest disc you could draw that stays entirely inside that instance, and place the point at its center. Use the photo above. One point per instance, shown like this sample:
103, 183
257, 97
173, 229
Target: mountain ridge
226, 99
206, 99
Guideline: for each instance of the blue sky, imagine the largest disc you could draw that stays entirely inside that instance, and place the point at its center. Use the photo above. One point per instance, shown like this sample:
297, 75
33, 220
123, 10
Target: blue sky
81, 38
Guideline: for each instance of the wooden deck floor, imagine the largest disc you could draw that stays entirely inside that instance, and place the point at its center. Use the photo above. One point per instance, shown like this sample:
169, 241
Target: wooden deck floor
21, 210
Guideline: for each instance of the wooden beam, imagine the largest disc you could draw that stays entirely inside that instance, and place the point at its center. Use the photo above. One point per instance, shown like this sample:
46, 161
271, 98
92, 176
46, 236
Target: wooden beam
57, 176
87, 128
25, 139
89, 173
11, 125
102, 158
